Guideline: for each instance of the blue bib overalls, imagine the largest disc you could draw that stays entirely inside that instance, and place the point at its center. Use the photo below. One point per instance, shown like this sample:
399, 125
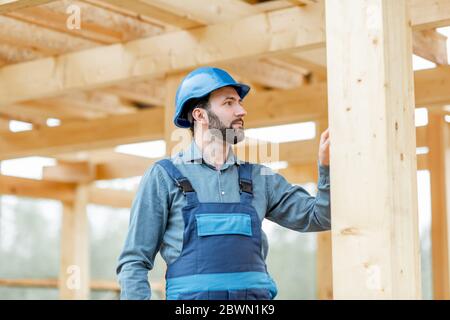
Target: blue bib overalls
221, 257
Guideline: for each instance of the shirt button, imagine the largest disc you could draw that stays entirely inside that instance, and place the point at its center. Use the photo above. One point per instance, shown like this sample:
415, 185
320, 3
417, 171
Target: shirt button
223, 192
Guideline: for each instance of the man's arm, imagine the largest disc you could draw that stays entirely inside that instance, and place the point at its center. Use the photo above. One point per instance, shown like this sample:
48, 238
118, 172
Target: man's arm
148, 221
293, 207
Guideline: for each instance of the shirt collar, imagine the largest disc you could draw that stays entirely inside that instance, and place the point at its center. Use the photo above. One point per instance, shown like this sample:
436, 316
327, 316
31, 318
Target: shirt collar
193, 154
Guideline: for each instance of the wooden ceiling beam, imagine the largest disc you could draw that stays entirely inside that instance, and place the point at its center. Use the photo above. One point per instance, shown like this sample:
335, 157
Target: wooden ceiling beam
150, 12
83, 135
73, 172
49, 19
14, 5
31, 188
431, 45
286, 30
256, 35
429, 14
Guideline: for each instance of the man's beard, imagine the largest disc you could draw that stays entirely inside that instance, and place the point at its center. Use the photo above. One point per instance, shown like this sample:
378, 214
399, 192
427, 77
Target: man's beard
219, 130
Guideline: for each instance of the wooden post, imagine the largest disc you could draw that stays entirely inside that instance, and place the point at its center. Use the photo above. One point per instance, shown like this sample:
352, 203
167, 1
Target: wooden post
438, 158
74, 279
446, 137
1, 202
376, 252
324, 263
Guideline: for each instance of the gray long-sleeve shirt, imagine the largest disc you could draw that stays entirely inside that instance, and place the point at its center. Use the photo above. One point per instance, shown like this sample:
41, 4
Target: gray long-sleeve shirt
156, 222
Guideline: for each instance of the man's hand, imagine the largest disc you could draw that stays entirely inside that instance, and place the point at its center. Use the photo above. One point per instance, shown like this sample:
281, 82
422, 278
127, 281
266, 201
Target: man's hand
324, 148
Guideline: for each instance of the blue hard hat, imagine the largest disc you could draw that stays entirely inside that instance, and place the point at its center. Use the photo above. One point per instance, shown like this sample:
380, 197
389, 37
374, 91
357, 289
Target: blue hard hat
198, 84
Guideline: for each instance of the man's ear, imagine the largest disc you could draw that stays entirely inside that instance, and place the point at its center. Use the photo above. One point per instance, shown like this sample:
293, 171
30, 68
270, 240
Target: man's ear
200, 115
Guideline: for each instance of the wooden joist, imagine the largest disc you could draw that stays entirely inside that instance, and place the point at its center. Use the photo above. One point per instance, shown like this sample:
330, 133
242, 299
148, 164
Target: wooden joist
63, 191
150, 93
293, 29
72, 172
32, 113
426, 44
12, 5
425, 14
57, 21
261, 34
122, 166
105, 132
96, 24
203, 13
42, 42
150, 12
429, 14
267, 73
36, 188
431, 45
207, 12
431, 86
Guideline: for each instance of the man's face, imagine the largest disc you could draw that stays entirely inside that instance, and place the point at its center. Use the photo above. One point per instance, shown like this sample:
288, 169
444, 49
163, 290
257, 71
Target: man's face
225, 115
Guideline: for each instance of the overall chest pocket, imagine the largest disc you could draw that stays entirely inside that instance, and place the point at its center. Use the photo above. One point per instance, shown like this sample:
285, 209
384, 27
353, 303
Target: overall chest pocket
226, 243
210, 224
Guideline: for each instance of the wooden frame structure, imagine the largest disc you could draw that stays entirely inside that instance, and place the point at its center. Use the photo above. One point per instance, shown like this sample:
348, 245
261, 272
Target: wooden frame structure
347, 63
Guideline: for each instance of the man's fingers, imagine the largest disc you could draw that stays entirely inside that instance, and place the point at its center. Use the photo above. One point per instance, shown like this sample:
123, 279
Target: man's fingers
325, 134
325, 143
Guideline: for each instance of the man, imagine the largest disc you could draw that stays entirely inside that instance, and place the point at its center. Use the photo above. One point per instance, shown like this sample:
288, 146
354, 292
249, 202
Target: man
203, 208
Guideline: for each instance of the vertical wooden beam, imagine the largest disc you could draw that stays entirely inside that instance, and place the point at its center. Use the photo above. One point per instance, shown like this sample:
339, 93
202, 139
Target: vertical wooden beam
1, 202
324, 263
74, 279
446, 137
376, 252
439, 226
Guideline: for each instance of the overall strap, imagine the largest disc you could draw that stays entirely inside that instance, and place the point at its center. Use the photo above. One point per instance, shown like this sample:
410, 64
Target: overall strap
245, 182
181, 181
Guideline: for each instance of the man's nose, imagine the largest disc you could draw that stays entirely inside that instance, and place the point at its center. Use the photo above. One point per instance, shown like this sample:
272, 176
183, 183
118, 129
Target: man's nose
240, 111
